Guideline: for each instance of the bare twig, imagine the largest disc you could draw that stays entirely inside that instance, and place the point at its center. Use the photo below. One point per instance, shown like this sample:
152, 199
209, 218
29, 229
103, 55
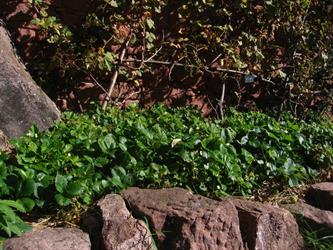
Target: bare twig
119, 95
92, 78
155, 54
282, 67
143, 48
129, 97
221, 101
212, 106
115, 75
215, 59
206, 68
99, 85
170, 71
107, 42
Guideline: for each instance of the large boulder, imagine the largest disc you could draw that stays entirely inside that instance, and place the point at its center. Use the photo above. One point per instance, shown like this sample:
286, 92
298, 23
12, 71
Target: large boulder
266, 227
22, 102
321, 195
182, 220
50, 239
112, 227
320, 221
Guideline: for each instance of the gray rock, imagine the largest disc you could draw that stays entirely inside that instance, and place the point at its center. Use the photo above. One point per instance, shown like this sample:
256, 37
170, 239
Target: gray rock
182, 220
266, 227
321, 195
318, 220
50, 239
22, 102
116, 227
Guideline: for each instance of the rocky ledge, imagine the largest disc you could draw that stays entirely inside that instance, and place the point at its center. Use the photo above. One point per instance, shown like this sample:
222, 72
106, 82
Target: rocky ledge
177, 219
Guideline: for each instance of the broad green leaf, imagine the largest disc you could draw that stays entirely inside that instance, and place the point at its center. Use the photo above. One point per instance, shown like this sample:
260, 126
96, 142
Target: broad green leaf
102, 145
28, 187
116, 181
27, 203
61, 183
62, 201
109, 141
101, 161
74, 188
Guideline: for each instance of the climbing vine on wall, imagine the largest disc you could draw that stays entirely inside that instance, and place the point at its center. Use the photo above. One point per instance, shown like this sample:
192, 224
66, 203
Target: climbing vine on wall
288, 43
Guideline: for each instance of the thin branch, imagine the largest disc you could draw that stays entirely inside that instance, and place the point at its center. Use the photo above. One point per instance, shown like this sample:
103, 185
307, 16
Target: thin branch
212, 106
115, 75
143, 48
93, 78
99, 85
282, 67
156, 52
130, 96
107, 42
218, 69
221, 101
215, 59
170, 71
119, 95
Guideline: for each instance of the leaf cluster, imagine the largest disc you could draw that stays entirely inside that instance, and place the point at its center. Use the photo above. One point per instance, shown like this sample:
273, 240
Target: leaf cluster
88, 155
288, 42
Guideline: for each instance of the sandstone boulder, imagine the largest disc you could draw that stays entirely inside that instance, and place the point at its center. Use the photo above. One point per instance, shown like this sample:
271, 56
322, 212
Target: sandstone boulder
50, 239
116, 229
22, 102
266, 227
318, 220
321, 195
182, 220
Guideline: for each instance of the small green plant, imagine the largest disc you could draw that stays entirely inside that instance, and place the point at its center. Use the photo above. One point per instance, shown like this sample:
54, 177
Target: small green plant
10, 223
315, 242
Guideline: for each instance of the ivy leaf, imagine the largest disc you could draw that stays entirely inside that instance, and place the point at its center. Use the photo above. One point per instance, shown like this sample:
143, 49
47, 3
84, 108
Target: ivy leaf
109, 60
27, 203
282, 74
28, 187
150, 23
62, 201
113, 3
109, 141
75, 188
60, 183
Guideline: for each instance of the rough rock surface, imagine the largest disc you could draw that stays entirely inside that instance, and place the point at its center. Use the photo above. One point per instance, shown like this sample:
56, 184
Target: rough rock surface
266, 227
22, 102
50, 239
3, 140
321, 195
186, 221
315, 218
117, 229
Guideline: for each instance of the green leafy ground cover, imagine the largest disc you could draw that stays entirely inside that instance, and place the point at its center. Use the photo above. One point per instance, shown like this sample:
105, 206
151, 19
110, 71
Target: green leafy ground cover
88, 155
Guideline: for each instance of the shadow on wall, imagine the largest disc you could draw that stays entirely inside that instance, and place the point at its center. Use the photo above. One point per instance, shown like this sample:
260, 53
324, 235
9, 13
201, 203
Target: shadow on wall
18, 14
178, 88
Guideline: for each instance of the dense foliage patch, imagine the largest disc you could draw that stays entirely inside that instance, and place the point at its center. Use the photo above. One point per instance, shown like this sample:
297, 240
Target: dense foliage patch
288, 42
87, 155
